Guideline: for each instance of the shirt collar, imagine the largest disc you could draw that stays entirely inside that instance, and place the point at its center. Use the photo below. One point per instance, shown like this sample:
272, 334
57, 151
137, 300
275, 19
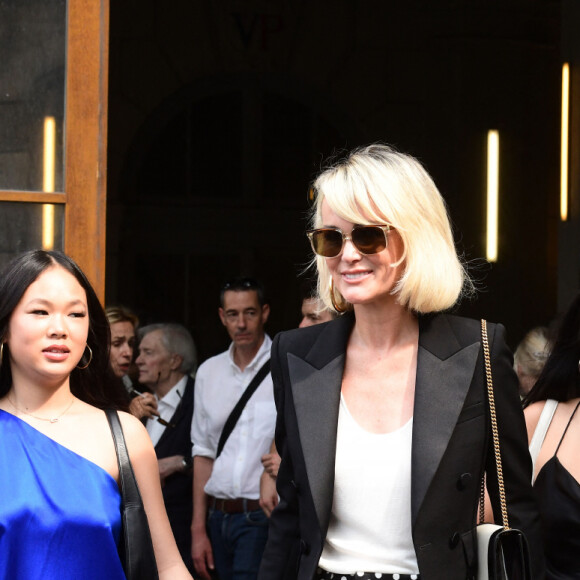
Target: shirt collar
173, 397
261, 356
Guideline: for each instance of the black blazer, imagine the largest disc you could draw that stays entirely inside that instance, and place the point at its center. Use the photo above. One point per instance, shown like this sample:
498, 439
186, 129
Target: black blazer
451, 446
178, 487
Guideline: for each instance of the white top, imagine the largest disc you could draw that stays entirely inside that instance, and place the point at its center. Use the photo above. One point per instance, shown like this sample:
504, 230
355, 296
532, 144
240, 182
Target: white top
540, 432
370, 524
166, 407
219, 384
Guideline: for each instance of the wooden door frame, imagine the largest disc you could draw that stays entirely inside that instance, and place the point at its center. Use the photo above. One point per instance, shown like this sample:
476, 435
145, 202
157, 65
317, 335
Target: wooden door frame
86, 137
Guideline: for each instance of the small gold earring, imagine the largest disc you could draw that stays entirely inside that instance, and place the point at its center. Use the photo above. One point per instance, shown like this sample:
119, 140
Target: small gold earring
338, 307
1, 352
90, 359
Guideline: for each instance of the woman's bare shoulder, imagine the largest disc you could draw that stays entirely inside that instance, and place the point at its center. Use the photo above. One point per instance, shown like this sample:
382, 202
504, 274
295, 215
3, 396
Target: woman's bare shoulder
132, 427
534, 410
570, 405
532, 414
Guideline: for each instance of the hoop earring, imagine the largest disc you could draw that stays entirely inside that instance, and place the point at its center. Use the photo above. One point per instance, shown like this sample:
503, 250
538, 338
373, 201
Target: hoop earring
1, 352
338, 307
90, 358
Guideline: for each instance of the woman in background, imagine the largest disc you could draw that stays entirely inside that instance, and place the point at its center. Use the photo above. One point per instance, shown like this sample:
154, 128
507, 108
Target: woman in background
60, 514
123, 325
530, 357
553, 421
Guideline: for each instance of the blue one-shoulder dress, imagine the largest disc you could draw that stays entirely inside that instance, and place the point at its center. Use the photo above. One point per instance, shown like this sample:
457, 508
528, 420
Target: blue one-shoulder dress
60, 514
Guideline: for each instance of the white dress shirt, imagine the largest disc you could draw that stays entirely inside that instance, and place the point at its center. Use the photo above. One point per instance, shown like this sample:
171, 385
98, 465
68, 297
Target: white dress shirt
219, 384
166, 407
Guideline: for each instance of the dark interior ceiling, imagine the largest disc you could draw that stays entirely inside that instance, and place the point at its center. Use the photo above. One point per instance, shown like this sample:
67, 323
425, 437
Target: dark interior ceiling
220, 114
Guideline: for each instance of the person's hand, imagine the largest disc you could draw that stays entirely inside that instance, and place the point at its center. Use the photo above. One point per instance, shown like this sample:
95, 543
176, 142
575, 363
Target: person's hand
169, 465
202, 554
144, 406
268, 494
271, 463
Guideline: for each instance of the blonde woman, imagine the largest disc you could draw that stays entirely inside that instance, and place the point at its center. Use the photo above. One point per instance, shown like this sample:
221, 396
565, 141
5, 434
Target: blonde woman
530, 357
123, 324
382, 423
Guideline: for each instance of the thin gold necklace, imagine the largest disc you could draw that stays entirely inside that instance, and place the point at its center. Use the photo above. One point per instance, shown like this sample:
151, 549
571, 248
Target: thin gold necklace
51, 419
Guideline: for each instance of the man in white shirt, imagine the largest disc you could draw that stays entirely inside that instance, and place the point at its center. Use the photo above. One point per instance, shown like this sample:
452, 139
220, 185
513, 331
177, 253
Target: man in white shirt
166, 358
229, 529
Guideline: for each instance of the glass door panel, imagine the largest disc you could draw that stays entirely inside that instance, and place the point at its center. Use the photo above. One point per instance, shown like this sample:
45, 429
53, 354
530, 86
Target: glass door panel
32, 94
27, 226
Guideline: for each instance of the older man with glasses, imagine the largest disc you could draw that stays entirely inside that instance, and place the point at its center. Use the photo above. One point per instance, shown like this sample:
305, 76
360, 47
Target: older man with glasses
233, 426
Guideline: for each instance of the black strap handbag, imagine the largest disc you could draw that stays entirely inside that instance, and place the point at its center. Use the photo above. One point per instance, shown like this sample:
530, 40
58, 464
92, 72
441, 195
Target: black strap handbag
135, 545
503, 552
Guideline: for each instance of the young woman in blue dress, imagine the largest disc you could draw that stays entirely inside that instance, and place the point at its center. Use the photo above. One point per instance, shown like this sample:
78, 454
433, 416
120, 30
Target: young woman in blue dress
60, 510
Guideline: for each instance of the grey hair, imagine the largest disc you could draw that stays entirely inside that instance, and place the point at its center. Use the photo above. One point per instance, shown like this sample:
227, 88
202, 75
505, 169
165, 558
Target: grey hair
177, 340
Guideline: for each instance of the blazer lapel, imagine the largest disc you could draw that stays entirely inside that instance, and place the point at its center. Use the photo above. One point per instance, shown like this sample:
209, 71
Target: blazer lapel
444, 374
316, 382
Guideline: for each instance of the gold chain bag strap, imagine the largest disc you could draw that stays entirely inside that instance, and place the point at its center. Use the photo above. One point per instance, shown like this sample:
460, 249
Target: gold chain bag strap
503, 552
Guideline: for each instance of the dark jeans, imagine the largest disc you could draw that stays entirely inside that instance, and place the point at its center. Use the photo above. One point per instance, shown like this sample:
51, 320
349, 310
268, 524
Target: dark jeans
238, 542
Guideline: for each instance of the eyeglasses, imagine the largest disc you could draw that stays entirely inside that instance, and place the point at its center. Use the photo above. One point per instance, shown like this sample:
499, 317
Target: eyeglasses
329, 242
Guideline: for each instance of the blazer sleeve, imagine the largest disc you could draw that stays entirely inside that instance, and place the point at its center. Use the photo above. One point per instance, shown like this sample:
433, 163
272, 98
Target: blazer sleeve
282, 552
516, 462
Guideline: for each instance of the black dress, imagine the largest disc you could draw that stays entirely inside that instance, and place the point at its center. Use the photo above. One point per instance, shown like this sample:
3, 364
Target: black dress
558, 495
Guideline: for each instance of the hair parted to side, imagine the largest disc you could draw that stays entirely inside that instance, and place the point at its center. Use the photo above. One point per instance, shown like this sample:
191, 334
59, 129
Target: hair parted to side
378, 185
177, 340
121, 314
96, 384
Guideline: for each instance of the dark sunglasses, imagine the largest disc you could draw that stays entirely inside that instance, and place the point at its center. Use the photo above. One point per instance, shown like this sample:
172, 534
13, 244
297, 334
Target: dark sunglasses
329, 242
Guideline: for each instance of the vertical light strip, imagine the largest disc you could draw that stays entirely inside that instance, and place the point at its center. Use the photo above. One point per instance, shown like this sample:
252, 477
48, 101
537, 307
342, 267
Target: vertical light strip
48, 182
492, 194
48, 226
564, 143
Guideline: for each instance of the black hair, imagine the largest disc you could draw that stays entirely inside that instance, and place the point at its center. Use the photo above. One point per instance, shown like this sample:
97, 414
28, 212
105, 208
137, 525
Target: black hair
96, 383
560, 377
308, 288
243, 284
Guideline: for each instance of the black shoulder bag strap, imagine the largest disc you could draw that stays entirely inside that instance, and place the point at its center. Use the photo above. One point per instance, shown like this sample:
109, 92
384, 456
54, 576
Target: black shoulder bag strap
129, 489
237, 411
136, 548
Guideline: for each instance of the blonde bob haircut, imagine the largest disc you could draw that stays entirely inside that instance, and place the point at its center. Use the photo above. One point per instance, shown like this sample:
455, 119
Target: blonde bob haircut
378, 185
